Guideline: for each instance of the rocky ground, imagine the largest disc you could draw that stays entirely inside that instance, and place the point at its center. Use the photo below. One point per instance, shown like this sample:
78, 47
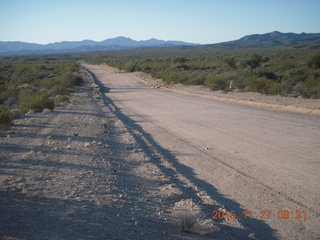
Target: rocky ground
83, 172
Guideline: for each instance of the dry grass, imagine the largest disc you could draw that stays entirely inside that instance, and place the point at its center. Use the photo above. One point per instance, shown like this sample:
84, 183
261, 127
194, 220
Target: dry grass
187, 222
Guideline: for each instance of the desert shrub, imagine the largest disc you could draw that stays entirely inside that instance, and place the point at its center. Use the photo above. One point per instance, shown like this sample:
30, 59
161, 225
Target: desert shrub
77, 78
183, 66
131, 67
174, 76
314, 61
60, 90
62, 98
253, 61
217, 82
187, 222
180, 59
196, 78
146, 68
231, 62
6, 118
309, 89
292, 81
36, 103
268, 74
263, 85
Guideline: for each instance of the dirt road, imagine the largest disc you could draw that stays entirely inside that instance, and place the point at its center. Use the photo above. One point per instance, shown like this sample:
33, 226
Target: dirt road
246, 159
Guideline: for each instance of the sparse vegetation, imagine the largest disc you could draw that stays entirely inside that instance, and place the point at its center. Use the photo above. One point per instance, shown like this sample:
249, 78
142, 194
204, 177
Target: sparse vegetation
36, 103
62, 98
314, 61
276, 70
6, 118
31, 83
187, 222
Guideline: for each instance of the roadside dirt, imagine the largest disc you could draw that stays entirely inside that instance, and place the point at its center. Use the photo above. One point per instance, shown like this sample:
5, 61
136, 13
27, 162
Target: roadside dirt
275, 102
83, 172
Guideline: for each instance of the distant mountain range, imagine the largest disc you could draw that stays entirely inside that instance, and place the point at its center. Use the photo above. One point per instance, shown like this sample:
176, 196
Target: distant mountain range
273, 39
19, 48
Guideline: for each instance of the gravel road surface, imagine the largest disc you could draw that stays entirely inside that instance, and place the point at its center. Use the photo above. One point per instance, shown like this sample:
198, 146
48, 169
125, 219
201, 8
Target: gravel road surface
247, 159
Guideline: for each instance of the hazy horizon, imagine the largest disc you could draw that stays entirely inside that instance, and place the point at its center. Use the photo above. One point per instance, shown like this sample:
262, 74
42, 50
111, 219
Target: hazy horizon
200, 21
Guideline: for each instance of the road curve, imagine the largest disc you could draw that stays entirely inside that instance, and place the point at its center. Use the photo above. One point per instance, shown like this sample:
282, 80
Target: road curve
250, 159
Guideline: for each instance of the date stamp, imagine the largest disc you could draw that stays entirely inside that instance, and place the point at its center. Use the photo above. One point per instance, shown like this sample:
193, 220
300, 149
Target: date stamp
261, 214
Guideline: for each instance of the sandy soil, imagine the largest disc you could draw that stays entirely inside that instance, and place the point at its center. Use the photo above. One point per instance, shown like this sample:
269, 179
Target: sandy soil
241, 156
84, 171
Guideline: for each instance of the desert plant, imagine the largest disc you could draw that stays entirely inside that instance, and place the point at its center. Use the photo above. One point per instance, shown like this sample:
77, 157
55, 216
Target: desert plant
253, 61
6, 118
62, 98
36, 103
131, 67
314, 61
263, 85
218, 82
231, 62
187, 222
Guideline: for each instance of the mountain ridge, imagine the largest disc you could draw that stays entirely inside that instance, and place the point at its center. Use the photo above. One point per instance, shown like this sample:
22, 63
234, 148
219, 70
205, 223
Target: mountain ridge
272, 39
17, 47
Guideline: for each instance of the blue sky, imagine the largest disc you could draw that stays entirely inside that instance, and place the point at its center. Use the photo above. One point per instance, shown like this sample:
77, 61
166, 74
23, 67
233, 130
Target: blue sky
200, 21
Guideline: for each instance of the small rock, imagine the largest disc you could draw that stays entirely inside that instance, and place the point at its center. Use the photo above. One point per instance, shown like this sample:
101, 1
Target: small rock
251, 236
68, 147
87, 144
30, 112
46, 111
75, 134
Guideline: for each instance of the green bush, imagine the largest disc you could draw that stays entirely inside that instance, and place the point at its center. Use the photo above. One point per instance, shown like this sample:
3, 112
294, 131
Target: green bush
60, 90
231, 62
196, 79
314, 61
62, 98
217, 82
263, 85
36, 103
253, 61
5, 118
77, 78
310, 88
132, 67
